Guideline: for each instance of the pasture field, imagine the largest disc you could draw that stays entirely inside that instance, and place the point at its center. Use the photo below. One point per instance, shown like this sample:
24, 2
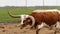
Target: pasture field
4, 17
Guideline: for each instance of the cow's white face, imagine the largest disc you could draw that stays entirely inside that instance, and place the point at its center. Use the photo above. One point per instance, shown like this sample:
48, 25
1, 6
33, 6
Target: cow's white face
26, 19
23, 17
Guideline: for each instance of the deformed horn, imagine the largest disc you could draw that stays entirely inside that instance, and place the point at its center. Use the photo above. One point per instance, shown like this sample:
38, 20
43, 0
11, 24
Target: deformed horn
33, 20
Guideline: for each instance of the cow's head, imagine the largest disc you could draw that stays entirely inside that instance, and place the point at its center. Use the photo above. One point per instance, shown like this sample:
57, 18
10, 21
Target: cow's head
29, 20
25, 19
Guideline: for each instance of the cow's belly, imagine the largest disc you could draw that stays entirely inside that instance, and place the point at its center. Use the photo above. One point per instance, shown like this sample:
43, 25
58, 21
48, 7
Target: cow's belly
51, 23
51, 20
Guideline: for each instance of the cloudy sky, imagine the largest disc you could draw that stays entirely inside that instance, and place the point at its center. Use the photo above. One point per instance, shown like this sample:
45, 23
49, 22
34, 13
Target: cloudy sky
29, 2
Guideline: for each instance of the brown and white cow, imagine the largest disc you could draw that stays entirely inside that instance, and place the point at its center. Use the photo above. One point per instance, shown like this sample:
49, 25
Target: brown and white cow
37, 19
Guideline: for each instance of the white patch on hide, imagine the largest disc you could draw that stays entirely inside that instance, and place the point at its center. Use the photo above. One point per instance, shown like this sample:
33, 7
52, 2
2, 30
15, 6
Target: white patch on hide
49, 10
58, 25
40, 26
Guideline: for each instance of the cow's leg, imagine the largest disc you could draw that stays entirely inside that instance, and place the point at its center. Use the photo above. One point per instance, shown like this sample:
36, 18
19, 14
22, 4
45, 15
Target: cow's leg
39, 27
57, 26
37, 31
55, 29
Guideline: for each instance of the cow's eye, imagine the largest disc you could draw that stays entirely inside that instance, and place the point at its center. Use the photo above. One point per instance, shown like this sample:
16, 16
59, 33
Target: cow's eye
28, 20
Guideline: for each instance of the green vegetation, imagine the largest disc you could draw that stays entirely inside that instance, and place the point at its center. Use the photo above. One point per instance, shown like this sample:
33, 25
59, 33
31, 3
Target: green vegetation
4, 17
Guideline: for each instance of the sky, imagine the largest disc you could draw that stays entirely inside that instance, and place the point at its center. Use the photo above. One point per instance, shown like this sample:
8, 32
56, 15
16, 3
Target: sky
29, 3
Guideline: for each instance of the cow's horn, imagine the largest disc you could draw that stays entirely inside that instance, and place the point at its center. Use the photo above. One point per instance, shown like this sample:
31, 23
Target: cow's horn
33, 20
14, 16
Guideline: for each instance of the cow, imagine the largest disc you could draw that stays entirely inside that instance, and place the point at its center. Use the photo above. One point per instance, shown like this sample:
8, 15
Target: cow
50, 18
37, 19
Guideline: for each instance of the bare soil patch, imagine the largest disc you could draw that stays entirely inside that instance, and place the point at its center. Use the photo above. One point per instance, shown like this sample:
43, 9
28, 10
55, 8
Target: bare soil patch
14, 29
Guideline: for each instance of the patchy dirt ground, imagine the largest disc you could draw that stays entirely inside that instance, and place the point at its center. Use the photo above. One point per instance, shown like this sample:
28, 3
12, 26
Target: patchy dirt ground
13, 29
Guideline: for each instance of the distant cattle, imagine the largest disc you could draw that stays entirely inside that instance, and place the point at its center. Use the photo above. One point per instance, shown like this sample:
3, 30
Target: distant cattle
37, 19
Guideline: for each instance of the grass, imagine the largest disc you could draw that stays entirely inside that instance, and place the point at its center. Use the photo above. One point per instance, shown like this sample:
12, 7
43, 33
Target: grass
4, 17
